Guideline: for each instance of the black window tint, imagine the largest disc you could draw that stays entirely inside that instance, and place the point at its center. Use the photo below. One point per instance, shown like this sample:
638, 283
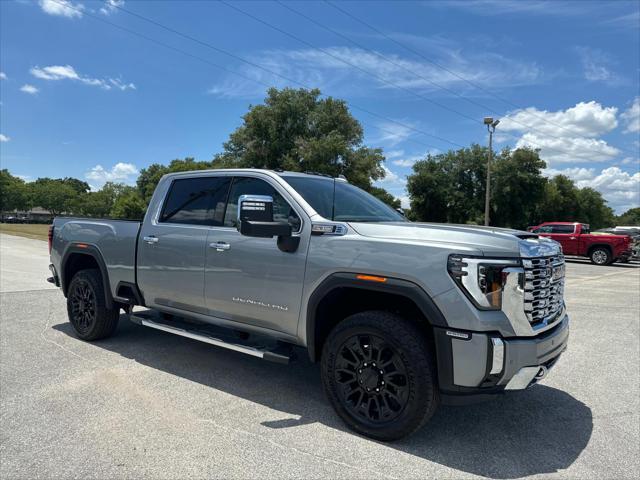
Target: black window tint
282, 211
196, 201
337, 200
562, 229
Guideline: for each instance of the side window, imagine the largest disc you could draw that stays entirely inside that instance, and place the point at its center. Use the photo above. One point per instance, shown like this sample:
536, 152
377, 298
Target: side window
562, 229
196, 201
282, 211
545, 229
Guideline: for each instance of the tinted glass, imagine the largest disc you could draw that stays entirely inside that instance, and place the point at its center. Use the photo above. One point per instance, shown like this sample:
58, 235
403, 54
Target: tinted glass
282, 211
338, 200
562, 228
196, 201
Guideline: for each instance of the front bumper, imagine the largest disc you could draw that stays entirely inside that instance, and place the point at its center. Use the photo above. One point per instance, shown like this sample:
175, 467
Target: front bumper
473, 364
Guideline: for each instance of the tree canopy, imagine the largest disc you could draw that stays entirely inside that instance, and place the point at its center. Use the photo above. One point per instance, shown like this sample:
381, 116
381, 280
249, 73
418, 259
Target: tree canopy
299, 131
450, 187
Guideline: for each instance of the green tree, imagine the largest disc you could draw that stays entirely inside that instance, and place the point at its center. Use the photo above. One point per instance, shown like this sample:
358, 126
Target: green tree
449, 187
517, 188
129, 205
560, 203
385, 196
429, 191
13, 192
593, 209
630, 217
299, 131
55, 195
100, 203
150, 176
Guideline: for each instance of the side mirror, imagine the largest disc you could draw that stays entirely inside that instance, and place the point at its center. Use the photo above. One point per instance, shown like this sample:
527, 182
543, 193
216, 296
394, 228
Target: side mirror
255, 218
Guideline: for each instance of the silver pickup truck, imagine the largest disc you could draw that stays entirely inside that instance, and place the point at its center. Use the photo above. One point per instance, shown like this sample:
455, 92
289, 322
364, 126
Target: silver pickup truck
401, 315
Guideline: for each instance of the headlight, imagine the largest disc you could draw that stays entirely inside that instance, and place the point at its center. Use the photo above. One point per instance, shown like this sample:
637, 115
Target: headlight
481, 279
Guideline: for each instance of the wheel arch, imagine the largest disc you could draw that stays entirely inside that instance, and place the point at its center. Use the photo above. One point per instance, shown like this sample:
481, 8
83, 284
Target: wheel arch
600, 245
343, 294
81, 257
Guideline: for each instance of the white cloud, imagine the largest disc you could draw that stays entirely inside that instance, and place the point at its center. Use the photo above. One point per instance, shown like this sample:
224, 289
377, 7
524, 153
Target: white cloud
4, 138
334, 71
574, 173
597, 66
30, 89
410, 160
565, 136
405, 201
631, 117
111, 6
3, 76
393, 154
63, 8
120, 172
621, 189
392, 133
67, 72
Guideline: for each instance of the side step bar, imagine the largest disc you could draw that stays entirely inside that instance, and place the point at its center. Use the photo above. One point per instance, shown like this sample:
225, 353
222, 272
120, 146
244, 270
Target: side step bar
255, 351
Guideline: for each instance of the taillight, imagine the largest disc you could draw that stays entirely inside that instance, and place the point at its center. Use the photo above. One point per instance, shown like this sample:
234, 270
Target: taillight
50, 238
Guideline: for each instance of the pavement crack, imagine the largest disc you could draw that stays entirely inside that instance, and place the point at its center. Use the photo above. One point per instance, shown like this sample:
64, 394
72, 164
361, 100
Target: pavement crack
297, 450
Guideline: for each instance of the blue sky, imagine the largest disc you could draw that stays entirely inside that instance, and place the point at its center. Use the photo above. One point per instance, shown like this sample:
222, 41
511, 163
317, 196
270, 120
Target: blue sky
84, 98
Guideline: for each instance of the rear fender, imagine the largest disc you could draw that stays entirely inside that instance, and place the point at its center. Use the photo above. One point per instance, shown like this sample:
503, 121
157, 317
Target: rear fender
93, 252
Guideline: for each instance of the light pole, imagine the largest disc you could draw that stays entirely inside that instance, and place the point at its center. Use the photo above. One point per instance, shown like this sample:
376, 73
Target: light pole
491, 127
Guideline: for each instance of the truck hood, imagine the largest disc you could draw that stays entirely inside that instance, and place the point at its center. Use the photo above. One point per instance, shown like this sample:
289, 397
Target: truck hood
488, 240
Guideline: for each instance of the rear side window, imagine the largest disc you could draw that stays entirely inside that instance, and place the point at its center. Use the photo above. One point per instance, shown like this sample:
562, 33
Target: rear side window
196, 201
562, 228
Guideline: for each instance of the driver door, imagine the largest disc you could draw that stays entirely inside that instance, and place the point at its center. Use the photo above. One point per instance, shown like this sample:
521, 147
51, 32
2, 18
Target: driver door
248, 279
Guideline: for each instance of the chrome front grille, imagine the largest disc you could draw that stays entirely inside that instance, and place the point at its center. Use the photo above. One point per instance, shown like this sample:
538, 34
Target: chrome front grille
543, 289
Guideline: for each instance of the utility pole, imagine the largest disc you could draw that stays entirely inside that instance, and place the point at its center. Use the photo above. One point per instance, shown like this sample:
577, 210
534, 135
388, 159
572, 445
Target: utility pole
491, 127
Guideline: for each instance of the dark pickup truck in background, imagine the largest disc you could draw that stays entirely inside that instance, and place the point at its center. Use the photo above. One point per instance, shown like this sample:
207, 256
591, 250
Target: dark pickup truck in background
577, 239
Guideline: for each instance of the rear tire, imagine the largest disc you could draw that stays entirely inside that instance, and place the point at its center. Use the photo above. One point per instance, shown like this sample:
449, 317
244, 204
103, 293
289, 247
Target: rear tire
600, 256
379, 375
87, 307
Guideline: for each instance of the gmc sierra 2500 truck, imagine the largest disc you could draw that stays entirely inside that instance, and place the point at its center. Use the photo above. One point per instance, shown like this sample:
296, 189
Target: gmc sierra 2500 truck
401, 315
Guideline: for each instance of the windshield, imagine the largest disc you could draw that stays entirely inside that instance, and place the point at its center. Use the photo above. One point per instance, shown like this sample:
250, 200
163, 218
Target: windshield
341, 201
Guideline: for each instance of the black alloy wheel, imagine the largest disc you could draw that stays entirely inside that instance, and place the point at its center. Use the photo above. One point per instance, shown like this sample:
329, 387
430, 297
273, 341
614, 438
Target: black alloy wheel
87, 306
83, 306
373, 379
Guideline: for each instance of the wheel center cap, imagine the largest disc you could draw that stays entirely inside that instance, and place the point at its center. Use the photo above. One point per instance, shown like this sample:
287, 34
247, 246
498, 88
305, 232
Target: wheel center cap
369, 378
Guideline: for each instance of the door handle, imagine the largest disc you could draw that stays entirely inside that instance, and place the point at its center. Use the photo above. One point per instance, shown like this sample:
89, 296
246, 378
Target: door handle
150, 239
220, 246
572, 238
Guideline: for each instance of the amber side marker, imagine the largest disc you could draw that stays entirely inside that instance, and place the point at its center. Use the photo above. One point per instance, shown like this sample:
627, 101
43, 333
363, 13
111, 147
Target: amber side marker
371, 278
82, 245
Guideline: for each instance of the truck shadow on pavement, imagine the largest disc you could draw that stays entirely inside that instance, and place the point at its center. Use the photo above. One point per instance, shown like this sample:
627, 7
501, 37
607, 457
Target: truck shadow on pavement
541, 430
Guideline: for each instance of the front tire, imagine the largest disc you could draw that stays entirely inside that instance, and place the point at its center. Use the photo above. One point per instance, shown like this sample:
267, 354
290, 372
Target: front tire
600, 256
379, 376
87, 307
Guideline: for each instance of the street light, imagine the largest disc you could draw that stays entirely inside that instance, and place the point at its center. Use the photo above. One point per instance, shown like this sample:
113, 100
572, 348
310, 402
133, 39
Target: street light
491, 127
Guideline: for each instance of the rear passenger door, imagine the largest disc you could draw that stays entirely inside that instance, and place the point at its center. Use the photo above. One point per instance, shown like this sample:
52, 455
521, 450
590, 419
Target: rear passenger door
172, 245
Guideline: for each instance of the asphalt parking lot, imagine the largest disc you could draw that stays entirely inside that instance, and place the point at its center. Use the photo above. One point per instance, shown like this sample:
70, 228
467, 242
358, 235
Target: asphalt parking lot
147, 404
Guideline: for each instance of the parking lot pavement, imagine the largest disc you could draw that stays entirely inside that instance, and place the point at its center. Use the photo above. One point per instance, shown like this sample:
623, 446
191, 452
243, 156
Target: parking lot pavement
147, 404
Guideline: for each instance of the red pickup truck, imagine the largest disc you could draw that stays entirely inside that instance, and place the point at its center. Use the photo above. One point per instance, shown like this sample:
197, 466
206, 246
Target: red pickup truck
576, 239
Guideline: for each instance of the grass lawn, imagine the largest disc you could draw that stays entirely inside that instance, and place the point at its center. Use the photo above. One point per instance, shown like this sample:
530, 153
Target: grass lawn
37, 231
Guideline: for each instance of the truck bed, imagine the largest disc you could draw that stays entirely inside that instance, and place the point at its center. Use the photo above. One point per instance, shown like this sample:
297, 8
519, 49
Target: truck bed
115, 240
